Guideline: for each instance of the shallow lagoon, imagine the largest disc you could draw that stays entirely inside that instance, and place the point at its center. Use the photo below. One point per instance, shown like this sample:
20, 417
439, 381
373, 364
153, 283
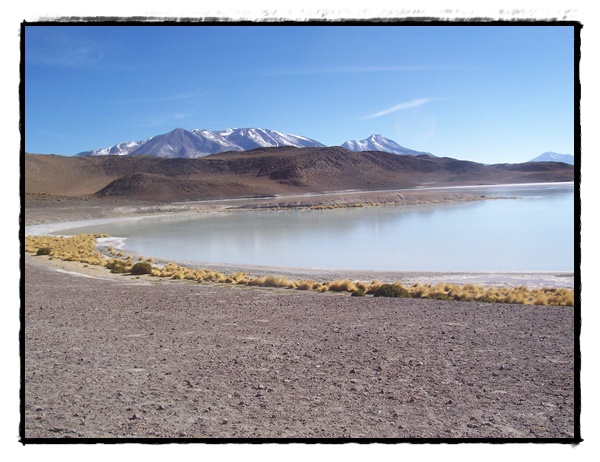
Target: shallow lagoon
534, 232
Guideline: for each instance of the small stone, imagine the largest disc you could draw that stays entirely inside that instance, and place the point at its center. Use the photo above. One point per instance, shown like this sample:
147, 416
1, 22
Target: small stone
224, 421
160, 408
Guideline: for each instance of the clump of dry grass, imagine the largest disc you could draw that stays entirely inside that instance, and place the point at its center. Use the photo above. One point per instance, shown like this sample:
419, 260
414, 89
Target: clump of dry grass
44, 251
268, 281
391, 290
342, 286
118, 266
141, 268
213, 276
372, 287
307, 284
274, 281
474, 293
81, 248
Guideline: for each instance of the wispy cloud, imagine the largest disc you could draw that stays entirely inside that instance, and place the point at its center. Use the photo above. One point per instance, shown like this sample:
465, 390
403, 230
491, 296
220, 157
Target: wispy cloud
399, 107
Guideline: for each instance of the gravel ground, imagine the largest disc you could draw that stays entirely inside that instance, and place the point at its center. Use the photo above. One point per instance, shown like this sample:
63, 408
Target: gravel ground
112, 356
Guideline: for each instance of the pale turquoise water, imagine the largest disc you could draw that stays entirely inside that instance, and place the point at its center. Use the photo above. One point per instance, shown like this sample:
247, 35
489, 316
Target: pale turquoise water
532, 233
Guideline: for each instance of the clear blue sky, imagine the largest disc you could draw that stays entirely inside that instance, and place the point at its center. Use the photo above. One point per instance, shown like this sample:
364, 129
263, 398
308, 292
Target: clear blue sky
483, 93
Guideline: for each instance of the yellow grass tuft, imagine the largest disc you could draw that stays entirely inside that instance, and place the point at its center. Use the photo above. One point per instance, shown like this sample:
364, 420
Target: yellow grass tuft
274, 281
307, 284
342, 286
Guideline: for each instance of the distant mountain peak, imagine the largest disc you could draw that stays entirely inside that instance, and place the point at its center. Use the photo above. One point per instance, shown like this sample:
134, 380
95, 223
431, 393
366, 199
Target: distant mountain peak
378, 142
555, 157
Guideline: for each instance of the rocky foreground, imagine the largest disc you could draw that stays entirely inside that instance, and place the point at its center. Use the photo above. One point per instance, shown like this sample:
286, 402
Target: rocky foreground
119, 357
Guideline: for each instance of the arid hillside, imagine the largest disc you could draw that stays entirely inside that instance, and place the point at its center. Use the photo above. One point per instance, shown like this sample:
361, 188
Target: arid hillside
268, 171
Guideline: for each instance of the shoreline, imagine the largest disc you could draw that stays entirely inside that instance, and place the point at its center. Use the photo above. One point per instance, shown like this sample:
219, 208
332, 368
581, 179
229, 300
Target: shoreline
46, 211
51, 219
486, 279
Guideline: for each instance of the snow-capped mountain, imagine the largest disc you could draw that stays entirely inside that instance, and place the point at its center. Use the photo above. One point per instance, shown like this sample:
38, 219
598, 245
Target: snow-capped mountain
252, 138
555, 157
200, 143
380, 143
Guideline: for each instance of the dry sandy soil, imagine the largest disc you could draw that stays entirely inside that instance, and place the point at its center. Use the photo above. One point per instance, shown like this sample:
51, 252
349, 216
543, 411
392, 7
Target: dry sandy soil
119, 357
115, 356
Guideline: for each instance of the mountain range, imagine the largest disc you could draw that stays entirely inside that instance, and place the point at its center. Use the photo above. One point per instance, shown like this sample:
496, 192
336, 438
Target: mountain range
261, 172
181, 143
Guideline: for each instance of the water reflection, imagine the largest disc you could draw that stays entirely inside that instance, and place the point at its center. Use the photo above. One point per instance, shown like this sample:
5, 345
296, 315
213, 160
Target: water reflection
532, 233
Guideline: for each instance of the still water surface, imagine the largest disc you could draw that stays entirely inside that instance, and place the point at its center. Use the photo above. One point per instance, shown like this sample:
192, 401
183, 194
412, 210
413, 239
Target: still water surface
534, 232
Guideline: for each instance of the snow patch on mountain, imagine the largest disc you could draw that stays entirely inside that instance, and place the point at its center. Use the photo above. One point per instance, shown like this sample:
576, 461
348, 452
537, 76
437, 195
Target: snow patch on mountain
121, 149
380, 143
252, 138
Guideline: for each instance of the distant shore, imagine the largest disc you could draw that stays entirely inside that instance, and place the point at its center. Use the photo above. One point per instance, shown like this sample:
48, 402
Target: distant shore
41, 209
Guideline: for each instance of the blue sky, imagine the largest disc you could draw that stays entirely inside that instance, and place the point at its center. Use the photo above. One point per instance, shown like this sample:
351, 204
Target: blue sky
483, 93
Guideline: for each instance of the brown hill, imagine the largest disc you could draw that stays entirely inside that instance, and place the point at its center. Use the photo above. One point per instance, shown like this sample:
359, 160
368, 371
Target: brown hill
267, 171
